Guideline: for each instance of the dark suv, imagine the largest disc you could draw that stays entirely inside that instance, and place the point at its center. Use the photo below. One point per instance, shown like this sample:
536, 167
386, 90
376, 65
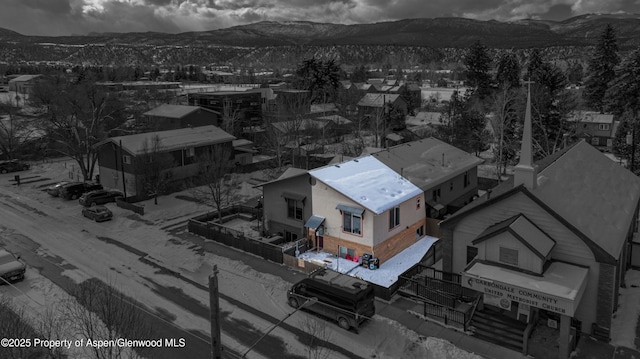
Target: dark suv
13, 166
100, 196
75, 190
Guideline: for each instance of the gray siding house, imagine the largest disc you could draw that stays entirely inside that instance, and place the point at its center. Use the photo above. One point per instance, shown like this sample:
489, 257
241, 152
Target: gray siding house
287, 204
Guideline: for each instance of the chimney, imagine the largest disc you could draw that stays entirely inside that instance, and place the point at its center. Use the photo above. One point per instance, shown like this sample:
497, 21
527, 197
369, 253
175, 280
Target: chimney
526, 172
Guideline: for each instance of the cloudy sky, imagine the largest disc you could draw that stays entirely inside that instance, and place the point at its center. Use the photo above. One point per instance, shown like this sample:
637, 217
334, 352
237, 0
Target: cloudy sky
66, 17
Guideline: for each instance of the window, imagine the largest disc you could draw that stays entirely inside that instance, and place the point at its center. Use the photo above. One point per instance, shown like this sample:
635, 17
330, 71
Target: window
451, 186
417, 203
289, 236
294, 209
436, 194
126, 159
466, 179
472, 252
394, 217
509, 256
603, 127
347, 252
352, 223
420, 232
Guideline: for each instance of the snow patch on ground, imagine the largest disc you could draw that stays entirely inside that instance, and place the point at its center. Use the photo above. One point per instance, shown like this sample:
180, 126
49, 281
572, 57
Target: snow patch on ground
623, 324
384, 276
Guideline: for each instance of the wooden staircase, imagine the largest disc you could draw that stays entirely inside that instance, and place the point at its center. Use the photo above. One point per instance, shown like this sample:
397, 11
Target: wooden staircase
496, 328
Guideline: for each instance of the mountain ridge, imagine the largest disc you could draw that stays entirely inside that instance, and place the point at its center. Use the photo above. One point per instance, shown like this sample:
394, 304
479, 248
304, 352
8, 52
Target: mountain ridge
260, 37
432, 32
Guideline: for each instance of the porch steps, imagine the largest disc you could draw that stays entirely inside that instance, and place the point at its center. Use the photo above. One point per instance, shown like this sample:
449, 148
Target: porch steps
496, 328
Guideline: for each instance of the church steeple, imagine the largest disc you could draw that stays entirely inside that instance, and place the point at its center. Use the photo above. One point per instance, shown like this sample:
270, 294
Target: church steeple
526, 172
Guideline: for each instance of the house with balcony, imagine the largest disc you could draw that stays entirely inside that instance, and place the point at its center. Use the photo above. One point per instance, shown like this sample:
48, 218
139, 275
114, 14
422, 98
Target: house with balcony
362, 206
118, 156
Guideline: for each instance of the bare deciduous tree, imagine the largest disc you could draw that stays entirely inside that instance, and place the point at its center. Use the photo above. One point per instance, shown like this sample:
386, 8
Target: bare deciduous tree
231, 118
316, 335
154, 166
216, 171
101, 312
505, 102
15, 130
15, 326
77, 116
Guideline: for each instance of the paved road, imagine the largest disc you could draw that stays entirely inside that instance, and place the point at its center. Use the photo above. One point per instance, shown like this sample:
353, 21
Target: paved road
58, 242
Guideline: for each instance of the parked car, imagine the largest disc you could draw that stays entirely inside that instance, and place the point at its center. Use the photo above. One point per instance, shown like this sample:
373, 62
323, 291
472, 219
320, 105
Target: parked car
13, 166
54, 189
97, 213
11, 267
100, 196
75, 190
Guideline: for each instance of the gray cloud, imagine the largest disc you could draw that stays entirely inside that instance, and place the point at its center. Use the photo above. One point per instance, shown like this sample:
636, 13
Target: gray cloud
64, 17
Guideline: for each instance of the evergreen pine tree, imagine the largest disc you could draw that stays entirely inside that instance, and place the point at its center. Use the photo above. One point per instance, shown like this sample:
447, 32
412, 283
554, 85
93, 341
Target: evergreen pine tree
601, 69
478, 63
508, 70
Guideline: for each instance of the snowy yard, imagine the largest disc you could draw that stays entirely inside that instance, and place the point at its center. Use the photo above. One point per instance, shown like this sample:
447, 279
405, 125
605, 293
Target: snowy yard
384, 276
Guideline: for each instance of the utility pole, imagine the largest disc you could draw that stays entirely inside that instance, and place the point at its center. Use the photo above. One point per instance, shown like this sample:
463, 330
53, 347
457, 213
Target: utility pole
124, 182
214, 307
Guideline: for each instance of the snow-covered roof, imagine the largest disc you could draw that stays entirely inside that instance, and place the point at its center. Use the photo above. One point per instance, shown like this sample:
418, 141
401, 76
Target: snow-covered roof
242, 142
173, 139
425, 118
368, 182
24, 78
375, 81
174, 111
591, 117
337, 119
323, 107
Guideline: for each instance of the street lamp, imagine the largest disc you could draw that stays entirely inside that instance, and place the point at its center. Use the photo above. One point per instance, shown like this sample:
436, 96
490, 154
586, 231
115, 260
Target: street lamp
307, 302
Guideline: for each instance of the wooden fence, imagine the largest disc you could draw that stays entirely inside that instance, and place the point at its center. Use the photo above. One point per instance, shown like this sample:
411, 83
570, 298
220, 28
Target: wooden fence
433, 229
299, 264
210, 231
272, 251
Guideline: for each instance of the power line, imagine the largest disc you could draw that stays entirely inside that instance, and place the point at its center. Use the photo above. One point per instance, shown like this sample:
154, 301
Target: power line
19, 290
135, 305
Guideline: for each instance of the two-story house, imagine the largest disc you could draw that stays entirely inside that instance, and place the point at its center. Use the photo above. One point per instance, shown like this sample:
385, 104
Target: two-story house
447, 175
243, 106
363, 206
287, 204
597, 128
373, 104
117, 155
